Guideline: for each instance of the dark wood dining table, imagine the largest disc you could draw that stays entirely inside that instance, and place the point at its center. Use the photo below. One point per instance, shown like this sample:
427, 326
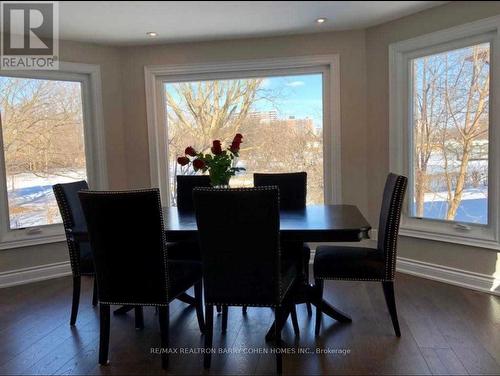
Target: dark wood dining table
315, 223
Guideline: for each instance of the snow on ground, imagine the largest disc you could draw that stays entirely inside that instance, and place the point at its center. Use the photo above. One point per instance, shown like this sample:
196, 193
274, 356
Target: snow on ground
473, 207
32, 202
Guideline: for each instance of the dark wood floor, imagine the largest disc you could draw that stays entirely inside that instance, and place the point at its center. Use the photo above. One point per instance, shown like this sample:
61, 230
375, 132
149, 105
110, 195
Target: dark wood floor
445, 330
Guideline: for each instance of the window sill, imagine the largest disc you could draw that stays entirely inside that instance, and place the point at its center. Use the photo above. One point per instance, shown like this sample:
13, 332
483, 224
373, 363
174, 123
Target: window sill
20, 243
453, 239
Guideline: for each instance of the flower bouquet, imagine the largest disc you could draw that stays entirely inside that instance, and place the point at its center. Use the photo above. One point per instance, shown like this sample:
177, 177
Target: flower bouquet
220, 163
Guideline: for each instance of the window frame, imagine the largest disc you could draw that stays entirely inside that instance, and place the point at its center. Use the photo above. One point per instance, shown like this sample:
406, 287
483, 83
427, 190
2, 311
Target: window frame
400, 121
328, 65
89, 77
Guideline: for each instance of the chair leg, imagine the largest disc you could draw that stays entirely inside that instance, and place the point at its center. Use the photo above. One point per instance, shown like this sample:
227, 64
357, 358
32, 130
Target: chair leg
319, 286
306, 280
163, 318
295, 323
104, 334
209, 331
277, 336
244, 309
225, 312
309, 309
94, 293
198, 296
391, 305
76, 300
139, 318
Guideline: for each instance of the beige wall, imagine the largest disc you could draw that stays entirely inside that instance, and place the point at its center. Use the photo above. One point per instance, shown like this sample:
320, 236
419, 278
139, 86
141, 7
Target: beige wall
377, 157
364, 114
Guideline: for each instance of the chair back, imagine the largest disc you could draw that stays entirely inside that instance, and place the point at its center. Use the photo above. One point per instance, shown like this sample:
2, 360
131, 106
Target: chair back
127, 238
185, 185
292, 187
239, 240
66, 195
390, 215
69, 205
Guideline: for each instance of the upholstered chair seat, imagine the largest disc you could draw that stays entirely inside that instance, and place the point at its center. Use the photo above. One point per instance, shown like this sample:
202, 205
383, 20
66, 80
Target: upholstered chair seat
348, 263
367, 264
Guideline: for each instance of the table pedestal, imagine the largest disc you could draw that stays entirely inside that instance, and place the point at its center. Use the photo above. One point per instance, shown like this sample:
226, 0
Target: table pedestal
310, 293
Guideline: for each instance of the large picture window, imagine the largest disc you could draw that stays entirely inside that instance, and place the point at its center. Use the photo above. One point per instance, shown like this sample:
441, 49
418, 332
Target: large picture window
444, 133
288, 110
281, 118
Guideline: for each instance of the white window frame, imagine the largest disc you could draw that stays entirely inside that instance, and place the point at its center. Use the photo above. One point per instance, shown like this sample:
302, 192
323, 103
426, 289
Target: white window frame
90, 78
400, 111
328, 65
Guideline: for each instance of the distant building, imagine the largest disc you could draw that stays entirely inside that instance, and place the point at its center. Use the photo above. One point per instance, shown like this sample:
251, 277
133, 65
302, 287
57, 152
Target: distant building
264, 116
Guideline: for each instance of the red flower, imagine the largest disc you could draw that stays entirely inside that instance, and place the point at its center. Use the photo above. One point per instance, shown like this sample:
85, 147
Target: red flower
235, 146
216, 147
198, 164
183, 161
190, 151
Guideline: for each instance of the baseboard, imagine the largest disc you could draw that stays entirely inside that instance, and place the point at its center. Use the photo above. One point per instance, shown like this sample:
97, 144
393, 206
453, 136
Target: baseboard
458, 277
34, 274
453, 276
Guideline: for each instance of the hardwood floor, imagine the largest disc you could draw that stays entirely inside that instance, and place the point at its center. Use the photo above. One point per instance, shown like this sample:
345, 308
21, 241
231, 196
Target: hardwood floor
445, 330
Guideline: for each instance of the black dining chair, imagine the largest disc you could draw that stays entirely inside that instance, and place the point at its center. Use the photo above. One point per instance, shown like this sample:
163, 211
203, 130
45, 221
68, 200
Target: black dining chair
75, 228
187, 250
127, 238
239, 233
367, 264
293, 193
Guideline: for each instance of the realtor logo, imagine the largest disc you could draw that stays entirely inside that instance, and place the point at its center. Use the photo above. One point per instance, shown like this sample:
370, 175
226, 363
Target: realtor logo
30, 35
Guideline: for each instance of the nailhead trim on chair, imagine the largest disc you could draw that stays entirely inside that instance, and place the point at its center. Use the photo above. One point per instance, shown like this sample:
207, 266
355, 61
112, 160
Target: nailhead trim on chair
393, 227
281, 293
74, 256
164, 240
390, 244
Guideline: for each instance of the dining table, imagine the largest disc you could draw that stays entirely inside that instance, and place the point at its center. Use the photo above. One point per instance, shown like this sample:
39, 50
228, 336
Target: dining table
314, 223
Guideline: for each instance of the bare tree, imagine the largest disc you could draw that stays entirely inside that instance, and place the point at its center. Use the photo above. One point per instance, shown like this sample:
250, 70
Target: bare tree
199, 112
451, 95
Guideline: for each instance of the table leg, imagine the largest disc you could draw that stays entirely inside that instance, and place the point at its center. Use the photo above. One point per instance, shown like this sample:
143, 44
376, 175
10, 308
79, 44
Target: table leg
333, 312
309, 293
188, 299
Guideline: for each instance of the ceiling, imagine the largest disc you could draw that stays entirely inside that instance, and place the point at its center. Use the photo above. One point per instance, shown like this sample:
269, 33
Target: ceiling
126, 22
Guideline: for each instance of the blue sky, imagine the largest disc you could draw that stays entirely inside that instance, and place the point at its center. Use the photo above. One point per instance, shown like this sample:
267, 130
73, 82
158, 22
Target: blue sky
299, 95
